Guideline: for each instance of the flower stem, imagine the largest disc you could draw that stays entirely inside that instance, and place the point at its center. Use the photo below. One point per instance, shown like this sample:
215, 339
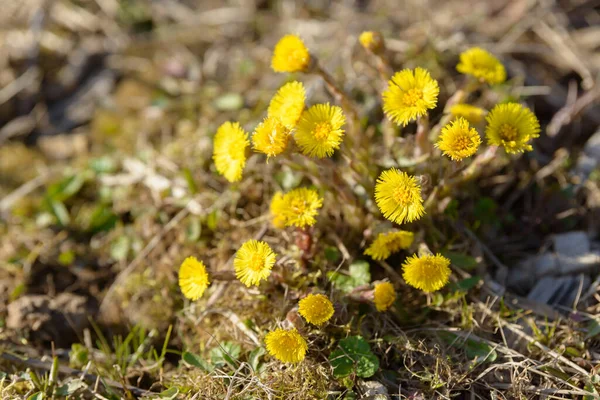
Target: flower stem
422, 145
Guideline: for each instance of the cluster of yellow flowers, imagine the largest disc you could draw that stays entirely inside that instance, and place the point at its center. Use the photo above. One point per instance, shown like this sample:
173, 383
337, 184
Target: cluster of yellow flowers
318, 131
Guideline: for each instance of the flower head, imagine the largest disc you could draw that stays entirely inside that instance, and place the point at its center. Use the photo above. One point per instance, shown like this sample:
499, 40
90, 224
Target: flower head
482, 65
193, 279
270, 137
398, 196
385, 244
316, 308
384, 295
288, 103
277, 207
229, 153
409, 95
372, 41
290, 55
320, 131
286, 346
471, 113
512, 126
458, 140
253, 262
300, 207
427, 273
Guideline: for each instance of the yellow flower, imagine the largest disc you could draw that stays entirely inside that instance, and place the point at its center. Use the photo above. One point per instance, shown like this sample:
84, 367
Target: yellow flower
512, 126
409, 95
300, 207
398, 196
316, 308
471, 113
372, 41
229, 153
270, 137
320, 131
193, 279
286, 346
385, 244
427, 273
253, 262
384, 295
290, 55
276, 208
458, 140
288, 104
482, 65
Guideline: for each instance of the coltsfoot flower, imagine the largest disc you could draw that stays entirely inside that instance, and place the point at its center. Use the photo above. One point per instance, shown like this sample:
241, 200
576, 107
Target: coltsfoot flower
386, 244
372, 41
320, 131
286, 346
253, 262
229, 152
276, 208
193, 278
427, 273
316, 309
288, 104
471, 113
409, 95
270, 137
482, 65
398, 196
512, 126
458, 140
290, 55
300, 207
384, 295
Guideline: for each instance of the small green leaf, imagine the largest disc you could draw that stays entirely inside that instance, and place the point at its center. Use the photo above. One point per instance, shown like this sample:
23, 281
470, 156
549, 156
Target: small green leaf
193, 229
102, 219
461, 260
66, 257
229, 102
593, 329
332, 254
69, 388
119, 249
169, 394
358, 274
36, 396
354, 354
254, 358
195, 361
226, 353
58, 209
466, 284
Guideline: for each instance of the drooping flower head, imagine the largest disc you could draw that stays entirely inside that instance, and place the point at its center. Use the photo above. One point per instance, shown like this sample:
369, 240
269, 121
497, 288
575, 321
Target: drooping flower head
253, 262
193, 278
409, 95
277, 208
385, 244
482, 65
229, 152
288, 103
372, 41
398, 196
286, 346
300, 207
320, 131
512, 126
384, 295
471, 113
290, 55
316, 309
458, 140
427, 273
270, 137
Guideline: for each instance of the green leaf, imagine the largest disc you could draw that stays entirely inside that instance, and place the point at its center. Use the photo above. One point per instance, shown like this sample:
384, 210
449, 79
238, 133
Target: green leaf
358, 274
169, 394
226, 353
78, 356
354, 354
478, 351
195, 361
36, 396
58, 209
69, 388
593, 329
229, 102
66, 188
461, 260
103, 165
466, 284
193, 229
288, 179
332, 254
254, 358
102, 219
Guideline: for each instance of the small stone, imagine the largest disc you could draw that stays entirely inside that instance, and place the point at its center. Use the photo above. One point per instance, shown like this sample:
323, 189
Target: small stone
572, 244
548, 289
544, 264
373, 390
586, 263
